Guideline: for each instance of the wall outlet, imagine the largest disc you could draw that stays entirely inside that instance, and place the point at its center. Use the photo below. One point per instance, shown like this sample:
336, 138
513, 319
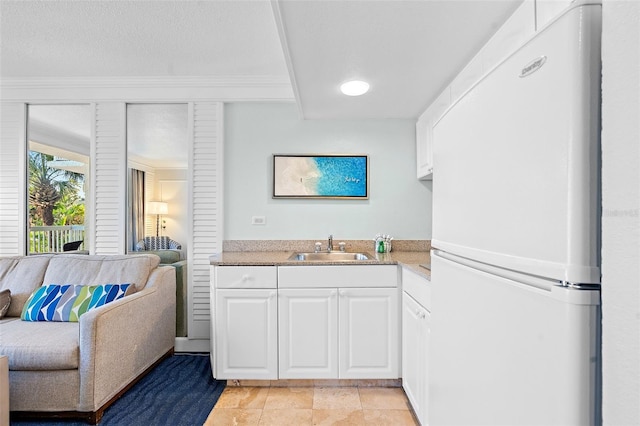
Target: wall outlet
258, 220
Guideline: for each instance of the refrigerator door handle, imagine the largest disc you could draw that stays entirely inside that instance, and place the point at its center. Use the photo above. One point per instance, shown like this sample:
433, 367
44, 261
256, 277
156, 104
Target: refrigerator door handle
579, 286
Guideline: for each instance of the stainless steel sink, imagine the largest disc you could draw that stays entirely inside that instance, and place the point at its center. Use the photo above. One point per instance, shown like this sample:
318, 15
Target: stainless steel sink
334, 256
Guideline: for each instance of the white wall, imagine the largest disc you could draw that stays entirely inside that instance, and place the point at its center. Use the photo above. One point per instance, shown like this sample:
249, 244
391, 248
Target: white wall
172, 187
398, 203
621, 212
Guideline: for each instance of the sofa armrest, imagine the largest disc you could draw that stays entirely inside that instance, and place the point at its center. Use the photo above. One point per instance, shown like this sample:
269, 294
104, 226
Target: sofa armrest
122, 339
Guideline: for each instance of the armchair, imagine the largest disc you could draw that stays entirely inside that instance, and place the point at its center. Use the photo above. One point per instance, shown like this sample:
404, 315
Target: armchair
157, 243
171, 254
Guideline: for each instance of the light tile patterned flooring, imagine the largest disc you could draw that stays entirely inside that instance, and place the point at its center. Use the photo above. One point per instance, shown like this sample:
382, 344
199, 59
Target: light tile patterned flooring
299, 406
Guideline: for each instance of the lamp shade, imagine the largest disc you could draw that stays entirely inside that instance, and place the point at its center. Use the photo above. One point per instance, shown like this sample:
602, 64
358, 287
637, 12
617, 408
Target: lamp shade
157, 207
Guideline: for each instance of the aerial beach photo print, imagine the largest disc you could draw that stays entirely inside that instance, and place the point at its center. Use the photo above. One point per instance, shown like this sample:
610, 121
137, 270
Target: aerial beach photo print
320, 176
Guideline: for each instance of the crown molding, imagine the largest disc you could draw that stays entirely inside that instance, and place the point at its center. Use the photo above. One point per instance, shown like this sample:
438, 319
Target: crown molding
146, 81
223, 88
284, 41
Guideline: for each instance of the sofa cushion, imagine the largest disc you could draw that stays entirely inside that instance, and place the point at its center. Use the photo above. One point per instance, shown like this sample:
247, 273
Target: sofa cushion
21, 275
167, 256
38, 346
96, 270
55, 302
5, 301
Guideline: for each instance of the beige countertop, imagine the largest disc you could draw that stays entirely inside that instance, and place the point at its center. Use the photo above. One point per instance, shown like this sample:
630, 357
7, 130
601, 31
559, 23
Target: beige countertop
407, 259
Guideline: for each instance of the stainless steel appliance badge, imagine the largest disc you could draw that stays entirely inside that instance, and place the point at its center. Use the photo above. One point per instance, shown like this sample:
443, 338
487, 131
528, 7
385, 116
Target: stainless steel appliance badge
533, 66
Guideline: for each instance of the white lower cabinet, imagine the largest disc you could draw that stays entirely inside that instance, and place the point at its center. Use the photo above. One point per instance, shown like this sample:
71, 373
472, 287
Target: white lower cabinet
306, 322
308, 333
346, 333
246, 334
416, 326
369, 333
415, 355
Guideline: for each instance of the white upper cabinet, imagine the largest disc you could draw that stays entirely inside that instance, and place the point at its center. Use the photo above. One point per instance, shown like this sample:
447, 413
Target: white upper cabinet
469, 76
424, 152
513, 34
424, 134
546, 10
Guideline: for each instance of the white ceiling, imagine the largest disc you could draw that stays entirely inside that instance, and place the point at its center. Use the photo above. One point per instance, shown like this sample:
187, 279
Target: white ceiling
157, 134
408, 50
73, 118
138, 38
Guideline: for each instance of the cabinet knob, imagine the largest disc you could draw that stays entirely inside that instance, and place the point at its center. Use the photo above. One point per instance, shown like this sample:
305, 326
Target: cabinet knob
246, 277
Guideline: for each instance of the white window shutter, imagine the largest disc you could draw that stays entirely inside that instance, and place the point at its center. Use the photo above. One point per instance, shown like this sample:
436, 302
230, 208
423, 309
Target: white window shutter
12, 178
109, 168
205, 180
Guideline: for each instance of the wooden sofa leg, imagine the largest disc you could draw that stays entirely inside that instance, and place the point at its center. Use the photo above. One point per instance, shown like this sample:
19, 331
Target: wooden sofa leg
95, 417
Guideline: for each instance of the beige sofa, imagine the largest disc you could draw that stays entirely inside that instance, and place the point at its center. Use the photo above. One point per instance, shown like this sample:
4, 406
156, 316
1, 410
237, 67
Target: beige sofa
77, 369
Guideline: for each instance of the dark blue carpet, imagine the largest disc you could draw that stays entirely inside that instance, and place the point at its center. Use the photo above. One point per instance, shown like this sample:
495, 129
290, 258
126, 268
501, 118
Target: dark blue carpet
179, 391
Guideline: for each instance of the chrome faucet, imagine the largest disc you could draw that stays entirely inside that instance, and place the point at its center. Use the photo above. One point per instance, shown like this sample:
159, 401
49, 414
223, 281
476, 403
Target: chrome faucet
330, 243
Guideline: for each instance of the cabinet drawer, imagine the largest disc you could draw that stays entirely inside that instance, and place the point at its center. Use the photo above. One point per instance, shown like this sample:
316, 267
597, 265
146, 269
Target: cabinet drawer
331, 276
245, 277
417, 287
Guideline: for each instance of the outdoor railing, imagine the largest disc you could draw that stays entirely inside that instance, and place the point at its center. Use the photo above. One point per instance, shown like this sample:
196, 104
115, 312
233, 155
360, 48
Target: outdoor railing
50, 239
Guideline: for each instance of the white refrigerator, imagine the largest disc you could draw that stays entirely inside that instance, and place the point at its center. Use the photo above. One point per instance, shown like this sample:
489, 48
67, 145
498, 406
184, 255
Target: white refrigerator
516, 238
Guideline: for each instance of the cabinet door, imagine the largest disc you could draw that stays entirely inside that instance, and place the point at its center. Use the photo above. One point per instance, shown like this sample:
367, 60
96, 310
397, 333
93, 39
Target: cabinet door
424, 134
425, 332
369, 333
411, 357
308, 338
415, 355
246, 334
424, 155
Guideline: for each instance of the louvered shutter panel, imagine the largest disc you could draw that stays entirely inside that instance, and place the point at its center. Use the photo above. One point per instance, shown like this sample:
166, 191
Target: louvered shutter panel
149, 195
109, 161
12, 178
205, 175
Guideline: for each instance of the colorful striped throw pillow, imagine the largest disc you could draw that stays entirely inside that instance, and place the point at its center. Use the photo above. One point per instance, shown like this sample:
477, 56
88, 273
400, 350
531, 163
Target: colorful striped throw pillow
68, 302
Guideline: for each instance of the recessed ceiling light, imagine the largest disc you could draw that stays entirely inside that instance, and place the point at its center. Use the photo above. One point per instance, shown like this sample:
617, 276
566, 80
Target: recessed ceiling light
354, 88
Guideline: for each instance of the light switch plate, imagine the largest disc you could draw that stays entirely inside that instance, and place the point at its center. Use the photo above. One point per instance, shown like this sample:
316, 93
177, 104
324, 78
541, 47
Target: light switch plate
258, 220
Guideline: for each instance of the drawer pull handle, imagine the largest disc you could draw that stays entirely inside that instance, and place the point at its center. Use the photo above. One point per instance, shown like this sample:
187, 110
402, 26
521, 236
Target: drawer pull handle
246, 277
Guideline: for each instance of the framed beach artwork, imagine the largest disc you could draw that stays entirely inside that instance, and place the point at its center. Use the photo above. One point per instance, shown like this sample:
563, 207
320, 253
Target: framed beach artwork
321, 176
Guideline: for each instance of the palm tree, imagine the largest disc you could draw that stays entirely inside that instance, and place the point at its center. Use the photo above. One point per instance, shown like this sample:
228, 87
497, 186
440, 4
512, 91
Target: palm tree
48, 185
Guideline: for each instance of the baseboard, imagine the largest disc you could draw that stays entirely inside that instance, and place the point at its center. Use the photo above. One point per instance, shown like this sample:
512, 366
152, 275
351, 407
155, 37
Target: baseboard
184, 344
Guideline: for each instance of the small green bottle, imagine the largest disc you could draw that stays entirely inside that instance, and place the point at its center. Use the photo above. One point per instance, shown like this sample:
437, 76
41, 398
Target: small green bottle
380, 246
